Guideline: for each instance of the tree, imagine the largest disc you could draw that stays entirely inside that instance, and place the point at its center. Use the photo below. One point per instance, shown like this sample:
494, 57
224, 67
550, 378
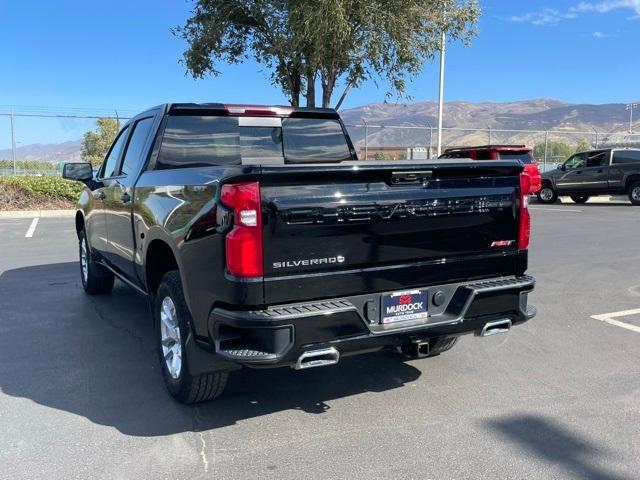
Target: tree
96, 144
582, 146
333, 40
555, 151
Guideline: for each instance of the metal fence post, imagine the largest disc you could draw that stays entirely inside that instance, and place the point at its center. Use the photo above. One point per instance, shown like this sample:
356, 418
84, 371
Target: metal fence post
594, 129
13, 143
546, 145
430, 141
366, 134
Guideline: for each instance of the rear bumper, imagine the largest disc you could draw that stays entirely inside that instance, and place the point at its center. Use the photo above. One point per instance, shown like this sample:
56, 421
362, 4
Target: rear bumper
279, 335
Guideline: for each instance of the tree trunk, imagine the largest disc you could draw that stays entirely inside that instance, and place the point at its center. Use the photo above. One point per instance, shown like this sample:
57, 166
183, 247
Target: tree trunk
311, 89
328, 83
295, 90
328, 79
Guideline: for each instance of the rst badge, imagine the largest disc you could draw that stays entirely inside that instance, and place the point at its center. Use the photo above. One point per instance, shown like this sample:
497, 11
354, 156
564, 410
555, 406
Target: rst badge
502, 243
403, 306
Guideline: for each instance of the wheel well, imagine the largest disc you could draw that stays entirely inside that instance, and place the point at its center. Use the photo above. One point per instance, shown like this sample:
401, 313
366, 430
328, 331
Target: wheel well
79, 223
547, 183
160, 260
631, 180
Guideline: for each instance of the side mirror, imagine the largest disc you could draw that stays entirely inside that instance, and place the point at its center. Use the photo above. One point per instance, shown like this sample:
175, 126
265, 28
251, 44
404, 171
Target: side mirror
81, 172
562, 167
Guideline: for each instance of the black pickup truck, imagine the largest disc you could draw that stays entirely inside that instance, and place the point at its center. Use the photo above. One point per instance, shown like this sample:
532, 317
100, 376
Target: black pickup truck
260, 240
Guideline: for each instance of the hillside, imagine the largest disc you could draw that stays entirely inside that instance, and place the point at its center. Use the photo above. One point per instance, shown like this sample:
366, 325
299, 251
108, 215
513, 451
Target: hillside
51, 152
537, 114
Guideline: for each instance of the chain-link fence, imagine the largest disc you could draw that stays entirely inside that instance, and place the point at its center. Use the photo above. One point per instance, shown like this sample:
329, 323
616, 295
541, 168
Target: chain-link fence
420, 142
39, 142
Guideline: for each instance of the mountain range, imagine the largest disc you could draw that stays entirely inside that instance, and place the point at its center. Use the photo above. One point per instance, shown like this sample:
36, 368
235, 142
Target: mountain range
536, 114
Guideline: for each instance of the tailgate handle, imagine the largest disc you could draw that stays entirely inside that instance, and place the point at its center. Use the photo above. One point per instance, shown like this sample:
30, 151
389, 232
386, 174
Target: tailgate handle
411, 177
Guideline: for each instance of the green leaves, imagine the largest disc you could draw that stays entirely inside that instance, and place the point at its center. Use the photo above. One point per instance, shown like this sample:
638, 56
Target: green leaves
337, 40
95, 145
45, 187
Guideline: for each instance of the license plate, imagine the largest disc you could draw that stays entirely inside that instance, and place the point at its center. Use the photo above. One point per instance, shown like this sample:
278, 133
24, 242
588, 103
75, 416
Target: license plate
404, 306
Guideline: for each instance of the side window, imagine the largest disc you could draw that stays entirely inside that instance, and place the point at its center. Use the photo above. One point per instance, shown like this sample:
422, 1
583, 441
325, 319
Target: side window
577, 161
133, 155
597, 159
110, 163
194, 141
626, 156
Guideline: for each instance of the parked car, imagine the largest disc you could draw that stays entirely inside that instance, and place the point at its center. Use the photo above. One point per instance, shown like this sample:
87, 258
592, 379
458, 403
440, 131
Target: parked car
501, 152
596, 172
260, 240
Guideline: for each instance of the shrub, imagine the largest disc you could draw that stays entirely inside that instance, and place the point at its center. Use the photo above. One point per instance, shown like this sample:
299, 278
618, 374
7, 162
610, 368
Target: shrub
45, 187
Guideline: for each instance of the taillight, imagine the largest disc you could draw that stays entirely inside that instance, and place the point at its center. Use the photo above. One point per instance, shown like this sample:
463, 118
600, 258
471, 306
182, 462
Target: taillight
524, 231
244, 241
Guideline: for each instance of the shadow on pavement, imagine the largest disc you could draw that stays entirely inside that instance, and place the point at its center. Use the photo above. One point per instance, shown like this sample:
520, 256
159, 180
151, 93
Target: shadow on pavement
555, 445
95, 357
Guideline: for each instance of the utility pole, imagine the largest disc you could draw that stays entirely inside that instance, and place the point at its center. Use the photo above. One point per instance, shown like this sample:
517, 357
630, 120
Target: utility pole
441, 91
13, 143
630, 107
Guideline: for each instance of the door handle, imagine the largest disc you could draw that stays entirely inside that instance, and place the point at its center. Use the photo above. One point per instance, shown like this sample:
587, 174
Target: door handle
100, 195
600, 171
125, 197
579, 172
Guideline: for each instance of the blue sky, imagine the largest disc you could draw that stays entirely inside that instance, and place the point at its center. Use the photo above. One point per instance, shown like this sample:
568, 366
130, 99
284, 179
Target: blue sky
121, 55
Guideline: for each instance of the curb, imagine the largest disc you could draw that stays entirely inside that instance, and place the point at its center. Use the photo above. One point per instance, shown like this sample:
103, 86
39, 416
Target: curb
38, 213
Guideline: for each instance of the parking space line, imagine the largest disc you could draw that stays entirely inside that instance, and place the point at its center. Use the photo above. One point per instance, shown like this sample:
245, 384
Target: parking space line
611, 319
32, 228
556, 209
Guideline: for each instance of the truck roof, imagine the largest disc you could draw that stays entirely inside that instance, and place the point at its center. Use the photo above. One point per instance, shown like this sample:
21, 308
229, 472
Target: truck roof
248, 109
489, 147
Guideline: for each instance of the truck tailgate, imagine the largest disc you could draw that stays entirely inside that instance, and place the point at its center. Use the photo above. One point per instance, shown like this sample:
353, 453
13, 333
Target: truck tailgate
338, 230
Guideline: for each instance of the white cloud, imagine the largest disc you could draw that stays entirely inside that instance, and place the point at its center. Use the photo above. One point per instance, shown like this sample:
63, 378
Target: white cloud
607, 6
599, 35
553, 16
546, 16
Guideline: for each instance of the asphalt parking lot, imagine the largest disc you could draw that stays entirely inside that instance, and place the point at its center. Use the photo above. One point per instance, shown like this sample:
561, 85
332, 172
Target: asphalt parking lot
81, 395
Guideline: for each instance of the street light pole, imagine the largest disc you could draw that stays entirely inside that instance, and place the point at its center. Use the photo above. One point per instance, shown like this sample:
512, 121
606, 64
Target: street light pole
630, 107
441, 91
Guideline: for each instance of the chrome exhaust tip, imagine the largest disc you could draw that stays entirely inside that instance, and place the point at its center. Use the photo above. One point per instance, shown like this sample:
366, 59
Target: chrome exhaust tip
317, 358
495, 328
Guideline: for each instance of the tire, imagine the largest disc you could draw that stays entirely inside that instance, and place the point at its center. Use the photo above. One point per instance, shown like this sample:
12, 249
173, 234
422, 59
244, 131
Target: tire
547, 194
634, 193
173, 320
96, 279
579, 198
440, 345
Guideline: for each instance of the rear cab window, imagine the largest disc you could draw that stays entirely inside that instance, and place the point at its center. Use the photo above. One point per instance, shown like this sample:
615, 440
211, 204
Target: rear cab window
200, 140
525, 156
